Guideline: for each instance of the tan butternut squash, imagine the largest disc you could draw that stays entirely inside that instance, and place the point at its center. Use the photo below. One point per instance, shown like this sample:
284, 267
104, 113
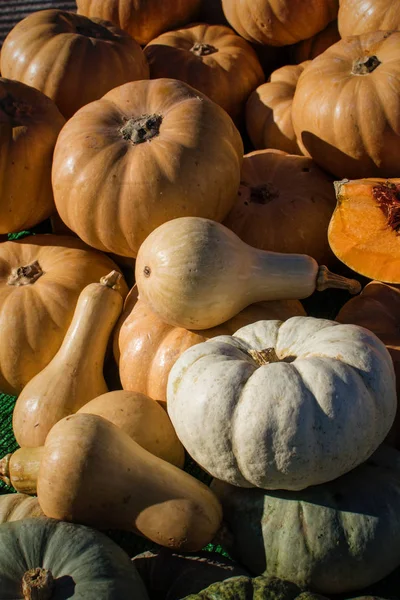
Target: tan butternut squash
196, 273
21, 468
93, 473
75, 374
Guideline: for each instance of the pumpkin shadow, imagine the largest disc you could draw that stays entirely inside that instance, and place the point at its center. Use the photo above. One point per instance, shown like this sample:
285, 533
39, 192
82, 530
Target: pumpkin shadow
64, 587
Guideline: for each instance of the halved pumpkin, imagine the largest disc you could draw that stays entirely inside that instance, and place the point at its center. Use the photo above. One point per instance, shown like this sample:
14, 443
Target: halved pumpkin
364, 231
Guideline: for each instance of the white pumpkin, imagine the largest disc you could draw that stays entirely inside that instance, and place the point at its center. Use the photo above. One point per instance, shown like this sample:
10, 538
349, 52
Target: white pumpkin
283, 405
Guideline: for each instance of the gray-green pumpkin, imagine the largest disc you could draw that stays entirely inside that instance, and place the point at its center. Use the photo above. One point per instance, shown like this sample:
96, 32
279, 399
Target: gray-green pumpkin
333, 538
63, 561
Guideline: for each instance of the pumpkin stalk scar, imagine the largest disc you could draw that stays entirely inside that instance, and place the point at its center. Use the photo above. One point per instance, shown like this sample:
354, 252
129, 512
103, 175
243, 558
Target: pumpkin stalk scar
264, 357
141, 129
262, 194
200, 49
37, 584
13, 110
388, 197
25, 275
365, 65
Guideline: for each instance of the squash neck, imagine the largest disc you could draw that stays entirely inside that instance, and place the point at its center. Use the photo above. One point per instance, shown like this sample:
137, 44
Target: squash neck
37, 584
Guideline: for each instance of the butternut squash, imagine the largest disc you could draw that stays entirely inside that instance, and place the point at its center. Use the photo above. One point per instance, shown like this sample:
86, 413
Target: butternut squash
21, 468
93, 473
196, 273
75, 374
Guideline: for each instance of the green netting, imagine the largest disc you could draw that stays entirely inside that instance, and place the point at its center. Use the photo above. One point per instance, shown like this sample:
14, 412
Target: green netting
7, 439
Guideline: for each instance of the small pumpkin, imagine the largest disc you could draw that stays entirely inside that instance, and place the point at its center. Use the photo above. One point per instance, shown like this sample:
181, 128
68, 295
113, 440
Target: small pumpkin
44, 558
284, 204
210, 58
41, 278
269, 111
315, 45
147, 348
15, 507
365, 16
334, 95
29, 125
70, 58
144, 154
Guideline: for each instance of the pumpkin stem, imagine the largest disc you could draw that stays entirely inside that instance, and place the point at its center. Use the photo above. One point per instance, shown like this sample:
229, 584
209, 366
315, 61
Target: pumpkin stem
5, 469
365, 65
263, 357
326, 280
37, 584
200, 49
141, 129
111, 280
25, 275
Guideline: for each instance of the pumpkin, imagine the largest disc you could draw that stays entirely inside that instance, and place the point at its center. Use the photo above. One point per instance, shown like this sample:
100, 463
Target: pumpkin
93, 473
70, 58
283, 405
142, 19
15, 507
333, 538
364, 229
210, 58
269, 111
147, 348
44, 558
358, 76
365, 16
279, 22
121, 188
317, 44
284, 204
197, 274
29, 125
41, 278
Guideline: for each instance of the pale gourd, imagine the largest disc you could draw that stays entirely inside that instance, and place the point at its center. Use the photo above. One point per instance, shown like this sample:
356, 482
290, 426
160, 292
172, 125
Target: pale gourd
75, 375
196, 273
283, 405
15, 507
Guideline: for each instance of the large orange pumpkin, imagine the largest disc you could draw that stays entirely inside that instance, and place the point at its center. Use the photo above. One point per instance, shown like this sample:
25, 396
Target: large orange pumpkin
147, 348
146, 153
284, 204
212, 59
142, 19
41, 278
346, 108
317, 44
71, 59
365, 16
29, 125
269, 111
279, 22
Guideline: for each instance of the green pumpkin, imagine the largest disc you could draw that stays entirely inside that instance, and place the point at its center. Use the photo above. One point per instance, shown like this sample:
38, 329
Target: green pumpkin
64, 561
333, 538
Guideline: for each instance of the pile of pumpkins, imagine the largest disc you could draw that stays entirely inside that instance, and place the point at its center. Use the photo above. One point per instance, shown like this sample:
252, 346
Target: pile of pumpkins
180, 260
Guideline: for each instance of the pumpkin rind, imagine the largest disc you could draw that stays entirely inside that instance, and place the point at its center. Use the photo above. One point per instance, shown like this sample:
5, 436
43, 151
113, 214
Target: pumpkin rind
283, 405
365, 16
15, 507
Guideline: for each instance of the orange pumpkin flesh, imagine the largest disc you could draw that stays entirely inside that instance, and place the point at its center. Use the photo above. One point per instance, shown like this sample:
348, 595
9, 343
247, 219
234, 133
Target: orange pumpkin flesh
364, 231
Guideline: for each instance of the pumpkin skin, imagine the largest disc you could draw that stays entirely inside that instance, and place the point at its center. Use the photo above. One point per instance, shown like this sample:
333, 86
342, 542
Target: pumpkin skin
29, 125
365, 16
113, 191
316, 45
142, 19
84, 562
303, 409
351, 524
210, 58
43, 308
15, 507
279, 22
269, 111
51, 50
284, 204
147, 348
334, 94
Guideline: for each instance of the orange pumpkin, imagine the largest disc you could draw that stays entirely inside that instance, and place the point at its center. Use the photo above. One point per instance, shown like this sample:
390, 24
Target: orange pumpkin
142, 19
365, 16
112, 189
364, 231
29, 125
346, 107
71, 59
269, 111
147, 348
212, 59
284, 204
317, 44
279, 22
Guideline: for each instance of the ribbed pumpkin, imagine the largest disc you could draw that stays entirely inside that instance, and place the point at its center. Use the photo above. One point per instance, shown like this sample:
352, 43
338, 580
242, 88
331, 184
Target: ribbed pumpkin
29, 125
147, 347
142, 19
365, 16
269, 111
317, 44
346, 107
71, 59
279, 22
146, 153
15, 507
